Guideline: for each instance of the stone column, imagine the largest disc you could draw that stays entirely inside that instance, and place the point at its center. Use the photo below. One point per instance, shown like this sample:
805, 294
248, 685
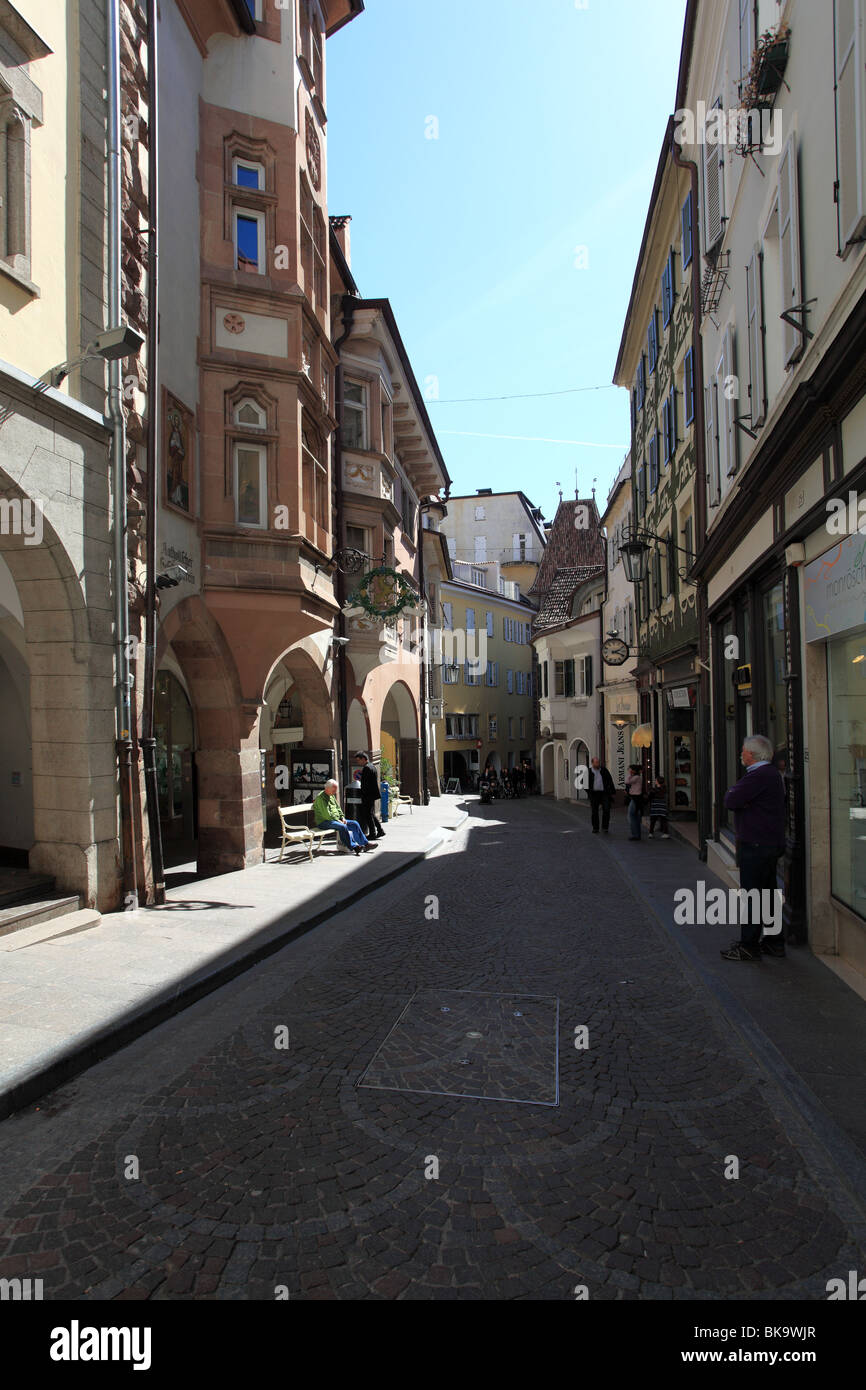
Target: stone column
230, 830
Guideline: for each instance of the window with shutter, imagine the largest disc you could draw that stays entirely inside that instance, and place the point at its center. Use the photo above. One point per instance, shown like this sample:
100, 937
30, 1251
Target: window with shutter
668, 290
641, 382
714, 191
789, 248
748, 40
509, 682
689, 385
714, 482
654, 462
687, 222
848, 40
652, 339
755, 314
728, 377
489, 624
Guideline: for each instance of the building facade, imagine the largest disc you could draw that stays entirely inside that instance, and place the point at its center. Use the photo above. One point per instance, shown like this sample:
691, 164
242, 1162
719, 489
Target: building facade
618, 684
246, 667
486, 677
73, 174
657, 362
782, 218
569, 588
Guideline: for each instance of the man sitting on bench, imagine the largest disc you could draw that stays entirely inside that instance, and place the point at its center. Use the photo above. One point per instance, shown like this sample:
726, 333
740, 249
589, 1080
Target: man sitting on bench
328, 815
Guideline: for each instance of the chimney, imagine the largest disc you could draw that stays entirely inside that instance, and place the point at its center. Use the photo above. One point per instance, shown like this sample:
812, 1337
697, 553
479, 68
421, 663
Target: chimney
485, 491
341, 232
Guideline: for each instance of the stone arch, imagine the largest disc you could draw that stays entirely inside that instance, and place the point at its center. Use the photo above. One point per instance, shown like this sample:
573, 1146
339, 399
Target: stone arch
546, 769
399, 723
68, 649
358, 726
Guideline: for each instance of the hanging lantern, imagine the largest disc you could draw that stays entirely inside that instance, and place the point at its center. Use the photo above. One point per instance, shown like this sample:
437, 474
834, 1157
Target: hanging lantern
642, 736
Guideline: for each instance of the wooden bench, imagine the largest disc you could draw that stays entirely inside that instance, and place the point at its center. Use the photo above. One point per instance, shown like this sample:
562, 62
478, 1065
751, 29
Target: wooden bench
397, 799
302, 834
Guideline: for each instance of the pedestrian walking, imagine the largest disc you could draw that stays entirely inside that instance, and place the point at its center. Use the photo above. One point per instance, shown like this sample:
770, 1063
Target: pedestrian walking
601, 794
530, 778
659, 808
328, 815
634, 800
758, 804
370, 797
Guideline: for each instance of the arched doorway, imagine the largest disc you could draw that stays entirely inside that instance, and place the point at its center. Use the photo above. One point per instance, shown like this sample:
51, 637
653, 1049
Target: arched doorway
16, 754
578, 757
295, 733
399, 739
174, 730
547, 786
454, 764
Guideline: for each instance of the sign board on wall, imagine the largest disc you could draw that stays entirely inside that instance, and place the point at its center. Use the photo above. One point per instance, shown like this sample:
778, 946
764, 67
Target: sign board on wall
834, 590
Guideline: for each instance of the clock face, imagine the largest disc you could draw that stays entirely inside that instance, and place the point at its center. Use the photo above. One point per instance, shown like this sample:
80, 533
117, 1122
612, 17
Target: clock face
614, 651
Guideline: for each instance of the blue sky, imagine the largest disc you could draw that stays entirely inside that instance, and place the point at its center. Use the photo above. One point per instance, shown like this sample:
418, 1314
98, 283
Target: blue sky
550, 121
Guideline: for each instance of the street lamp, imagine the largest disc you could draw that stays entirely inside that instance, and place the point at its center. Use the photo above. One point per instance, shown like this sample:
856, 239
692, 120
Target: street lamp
636, 552
111, 346
635, 559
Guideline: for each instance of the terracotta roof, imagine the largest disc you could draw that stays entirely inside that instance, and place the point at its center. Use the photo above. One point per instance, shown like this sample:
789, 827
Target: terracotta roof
556, 607
570, 547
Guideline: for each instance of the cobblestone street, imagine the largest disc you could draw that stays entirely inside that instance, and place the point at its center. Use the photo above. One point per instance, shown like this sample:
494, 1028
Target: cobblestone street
262, 1167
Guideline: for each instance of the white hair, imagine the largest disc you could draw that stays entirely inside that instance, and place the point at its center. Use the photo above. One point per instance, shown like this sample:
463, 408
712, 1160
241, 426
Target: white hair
331, 782
760, 746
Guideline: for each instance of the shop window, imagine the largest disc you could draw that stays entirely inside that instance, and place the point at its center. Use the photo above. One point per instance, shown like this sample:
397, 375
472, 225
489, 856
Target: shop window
846, 675
775, 668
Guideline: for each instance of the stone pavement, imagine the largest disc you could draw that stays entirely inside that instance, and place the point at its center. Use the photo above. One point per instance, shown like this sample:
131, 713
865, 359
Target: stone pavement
231, 1153
68, 997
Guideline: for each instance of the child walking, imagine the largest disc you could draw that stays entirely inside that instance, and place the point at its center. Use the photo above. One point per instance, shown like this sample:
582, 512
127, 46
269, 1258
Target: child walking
659, 808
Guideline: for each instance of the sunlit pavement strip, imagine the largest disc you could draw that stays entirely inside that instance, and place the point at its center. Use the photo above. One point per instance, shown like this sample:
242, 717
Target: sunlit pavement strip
205, 1162
64, 995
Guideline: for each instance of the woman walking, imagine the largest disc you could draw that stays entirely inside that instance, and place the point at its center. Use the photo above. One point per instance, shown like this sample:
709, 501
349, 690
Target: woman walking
634, 798
659, 808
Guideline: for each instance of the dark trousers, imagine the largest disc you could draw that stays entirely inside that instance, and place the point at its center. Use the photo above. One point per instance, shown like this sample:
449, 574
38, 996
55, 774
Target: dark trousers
661, 821
369, 823
601, 799
757, 870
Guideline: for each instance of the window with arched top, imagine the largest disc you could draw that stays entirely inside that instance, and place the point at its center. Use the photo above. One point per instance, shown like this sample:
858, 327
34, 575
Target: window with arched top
249, 415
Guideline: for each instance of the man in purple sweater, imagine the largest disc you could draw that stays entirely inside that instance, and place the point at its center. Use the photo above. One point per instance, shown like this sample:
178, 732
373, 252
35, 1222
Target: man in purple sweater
758, 804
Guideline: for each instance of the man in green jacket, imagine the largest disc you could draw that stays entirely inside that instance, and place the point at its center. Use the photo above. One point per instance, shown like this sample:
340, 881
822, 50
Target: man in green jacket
328, 815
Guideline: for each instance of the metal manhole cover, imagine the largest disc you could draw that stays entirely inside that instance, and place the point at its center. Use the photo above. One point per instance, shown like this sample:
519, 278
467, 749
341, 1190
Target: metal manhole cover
514, 1054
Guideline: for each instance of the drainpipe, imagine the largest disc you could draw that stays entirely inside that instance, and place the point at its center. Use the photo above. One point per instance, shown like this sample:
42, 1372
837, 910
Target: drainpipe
703, 722
148, 742
118, 459
342, 659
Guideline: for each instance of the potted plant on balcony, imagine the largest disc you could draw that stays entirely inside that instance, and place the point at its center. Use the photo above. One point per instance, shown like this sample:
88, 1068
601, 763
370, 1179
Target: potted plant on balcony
767, 71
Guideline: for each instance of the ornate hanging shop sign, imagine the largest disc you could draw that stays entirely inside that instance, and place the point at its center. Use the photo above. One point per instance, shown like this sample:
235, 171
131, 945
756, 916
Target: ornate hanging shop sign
384, 593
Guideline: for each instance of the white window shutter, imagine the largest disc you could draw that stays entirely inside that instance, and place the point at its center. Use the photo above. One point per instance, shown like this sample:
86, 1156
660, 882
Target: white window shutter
848, 38
712, 447
714, 203
789, 244
452, 547
480, 550
515, 544
755, 315
732, 404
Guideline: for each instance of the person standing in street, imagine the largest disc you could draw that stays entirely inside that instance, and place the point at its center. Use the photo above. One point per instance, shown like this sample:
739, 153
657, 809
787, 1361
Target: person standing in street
634, 795
370, 796
659, 808
601, 794
758, 804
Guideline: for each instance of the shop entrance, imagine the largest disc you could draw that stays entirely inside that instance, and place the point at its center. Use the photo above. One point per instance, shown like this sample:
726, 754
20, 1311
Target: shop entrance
175, 763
